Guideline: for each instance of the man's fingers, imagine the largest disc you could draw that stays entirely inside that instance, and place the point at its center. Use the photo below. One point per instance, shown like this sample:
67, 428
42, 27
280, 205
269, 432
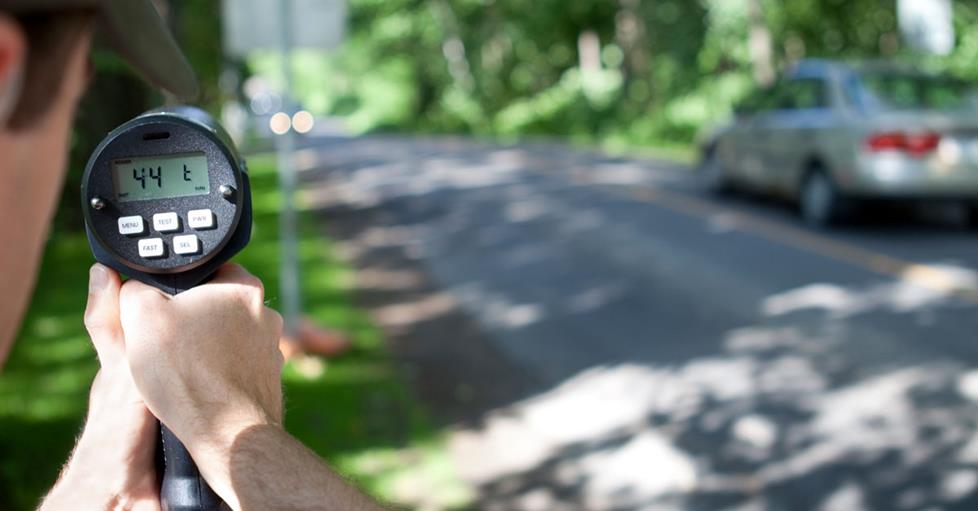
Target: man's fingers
232, 273
136, 294
102, 314
139, 303
236, 274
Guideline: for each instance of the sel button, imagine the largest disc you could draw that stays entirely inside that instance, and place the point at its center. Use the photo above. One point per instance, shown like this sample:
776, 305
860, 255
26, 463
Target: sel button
200, 218
185, 245
166, 222
152, 247
129, 225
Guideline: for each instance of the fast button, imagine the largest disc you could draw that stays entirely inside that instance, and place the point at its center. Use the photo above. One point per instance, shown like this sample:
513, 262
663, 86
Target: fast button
151, 247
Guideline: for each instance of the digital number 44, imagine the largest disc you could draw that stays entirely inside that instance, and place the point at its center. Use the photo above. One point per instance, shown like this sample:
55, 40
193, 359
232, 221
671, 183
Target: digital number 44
154, 174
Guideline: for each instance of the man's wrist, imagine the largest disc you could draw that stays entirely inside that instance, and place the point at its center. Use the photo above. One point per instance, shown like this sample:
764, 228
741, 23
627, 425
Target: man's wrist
212, 443
216, 435
108, 469
93, 488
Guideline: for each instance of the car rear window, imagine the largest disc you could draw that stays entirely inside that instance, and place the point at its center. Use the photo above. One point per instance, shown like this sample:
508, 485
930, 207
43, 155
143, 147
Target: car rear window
912, 92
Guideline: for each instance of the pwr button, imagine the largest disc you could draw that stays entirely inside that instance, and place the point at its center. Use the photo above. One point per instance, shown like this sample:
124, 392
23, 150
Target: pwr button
200, 219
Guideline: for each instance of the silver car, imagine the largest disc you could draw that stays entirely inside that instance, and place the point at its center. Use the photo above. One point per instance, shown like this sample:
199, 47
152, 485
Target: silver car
833, 135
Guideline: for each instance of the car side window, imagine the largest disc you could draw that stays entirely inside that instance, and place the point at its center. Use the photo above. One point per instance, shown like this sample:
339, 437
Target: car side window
854, 94
766, 99
804, 94
753, 103
773, 96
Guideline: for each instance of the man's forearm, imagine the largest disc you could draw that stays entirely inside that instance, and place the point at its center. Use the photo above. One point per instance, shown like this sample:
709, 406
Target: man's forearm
265, 468
72, 490
93, 479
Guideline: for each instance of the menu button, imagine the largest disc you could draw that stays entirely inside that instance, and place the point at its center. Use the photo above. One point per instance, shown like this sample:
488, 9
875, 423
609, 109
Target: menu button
129, 225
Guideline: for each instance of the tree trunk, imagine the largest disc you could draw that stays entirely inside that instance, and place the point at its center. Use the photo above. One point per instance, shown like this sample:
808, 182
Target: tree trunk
760, 45
453, 48
589, 52
631, 36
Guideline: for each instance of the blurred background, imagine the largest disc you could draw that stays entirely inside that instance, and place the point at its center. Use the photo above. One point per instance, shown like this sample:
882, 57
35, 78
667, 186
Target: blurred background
600, 254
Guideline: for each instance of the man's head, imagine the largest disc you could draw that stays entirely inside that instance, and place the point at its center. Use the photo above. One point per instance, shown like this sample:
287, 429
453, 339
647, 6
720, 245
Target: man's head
44, 68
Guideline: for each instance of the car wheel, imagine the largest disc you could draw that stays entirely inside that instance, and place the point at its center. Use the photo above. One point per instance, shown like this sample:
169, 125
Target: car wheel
972, 215
711, 173
819, 201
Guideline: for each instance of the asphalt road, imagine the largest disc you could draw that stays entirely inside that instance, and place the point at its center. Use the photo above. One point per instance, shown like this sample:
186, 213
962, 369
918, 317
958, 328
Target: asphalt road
683, 351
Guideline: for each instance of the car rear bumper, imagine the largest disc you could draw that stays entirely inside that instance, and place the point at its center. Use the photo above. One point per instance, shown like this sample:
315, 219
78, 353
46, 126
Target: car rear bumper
884, 175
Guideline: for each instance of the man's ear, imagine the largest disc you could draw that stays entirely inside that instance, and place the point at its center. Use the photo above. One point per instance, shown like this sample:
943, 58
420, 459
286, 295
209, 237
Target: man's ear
13, 56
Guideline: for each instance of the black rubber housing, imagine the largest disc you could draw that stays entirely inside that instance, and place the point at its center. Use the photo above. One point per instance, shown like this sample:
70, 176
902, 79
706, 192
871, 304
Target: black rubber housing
188, 130
182, 488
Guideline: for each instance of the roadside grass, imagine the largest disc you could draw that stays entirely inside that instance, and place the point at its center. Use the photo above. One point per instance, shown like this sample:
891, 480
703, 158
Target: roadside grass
353, 411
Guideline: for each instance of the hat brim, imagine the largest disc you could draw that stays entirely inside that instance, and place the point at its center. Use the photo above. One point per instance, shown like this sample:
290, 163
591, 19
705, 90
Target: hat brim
139, 34
135, 30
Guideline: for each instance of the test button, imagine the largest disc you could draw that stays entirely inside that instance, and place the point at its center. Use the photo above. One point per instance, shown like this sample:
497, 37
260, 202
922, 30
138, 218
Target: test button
166, 222
129, 225
151, 247
200, 218
186, 245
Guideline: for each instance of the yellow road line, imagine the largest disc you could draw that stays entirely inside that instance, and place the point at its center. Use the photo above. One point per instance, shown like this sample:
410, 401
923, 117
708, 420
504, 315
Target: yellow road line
925, 276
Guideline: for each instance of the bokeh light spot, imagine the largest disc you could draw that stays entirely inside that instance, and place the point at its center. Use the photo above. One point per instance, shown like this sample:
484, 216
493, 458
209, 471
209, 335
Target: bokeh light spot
280, 123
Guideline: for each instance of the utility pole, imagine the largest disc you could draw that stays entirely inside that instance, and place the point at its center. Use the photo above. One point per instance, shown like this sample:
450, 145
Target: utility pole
285, 145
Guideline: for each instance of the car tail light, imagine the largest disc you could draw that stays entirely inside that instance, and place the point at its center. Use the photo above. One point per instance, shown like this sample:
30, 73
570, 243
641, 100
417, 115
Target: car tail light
890, 141
914, 144
920, 144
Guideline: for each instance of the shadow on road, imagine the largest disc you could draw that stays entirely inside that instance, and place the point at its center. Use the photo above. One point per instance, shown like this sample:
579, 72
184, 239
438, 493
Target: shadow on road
871, 217
594, 352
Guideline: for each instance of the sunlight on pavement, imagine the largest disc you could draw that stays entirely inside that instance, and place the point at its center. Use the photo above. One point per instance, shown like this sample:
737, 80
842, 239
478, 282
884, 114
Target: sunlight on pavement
423, 308
608, 472
841, 302
799, 388
496, 310
968, 385
756, 431
909, 294
628, 436
849, 497
385, 279
403, 176
595, 297
524, 210
944, 278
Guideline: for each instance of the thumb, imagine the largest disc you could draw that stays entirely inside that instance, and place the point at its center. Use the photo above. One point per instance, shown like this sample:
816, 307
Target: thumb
102, 314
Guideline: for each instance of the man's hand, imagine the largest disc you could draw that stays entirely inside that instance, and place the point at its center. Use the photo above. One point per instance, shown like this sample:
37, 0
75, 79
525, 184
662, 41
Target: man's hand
112, 466
207, 363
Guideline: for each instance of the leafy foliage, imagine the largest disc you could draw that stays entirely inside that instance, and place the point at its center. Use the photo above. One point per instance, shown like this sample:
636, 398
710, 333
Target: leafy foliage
514, 67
